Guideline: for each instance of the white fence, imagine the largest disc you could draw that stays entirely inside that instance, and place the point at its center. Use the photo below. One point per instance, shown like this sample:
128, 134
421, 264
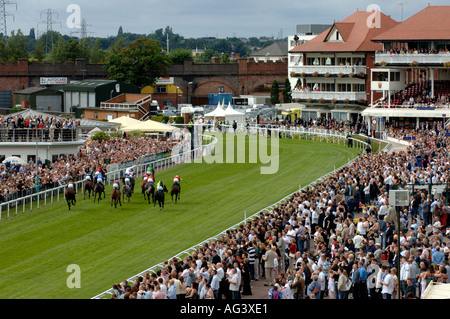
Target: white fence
320, 135
35, 201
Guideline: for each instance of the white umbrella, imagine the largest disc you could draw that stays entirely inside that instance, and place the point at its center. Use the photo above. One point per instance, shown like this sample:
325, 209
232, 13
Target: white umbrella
14, 160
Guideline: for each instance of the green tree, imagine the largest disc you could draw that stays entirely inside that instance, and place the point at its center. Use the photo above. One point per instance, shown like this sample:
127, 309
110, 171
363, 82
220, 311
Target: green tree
16, 46
287, 94
84, 49
39, 50
207, 55
275, 93
178, 56
140, 63
225, 58
71, 51
4, 54
115, 47
97, 54
57, 54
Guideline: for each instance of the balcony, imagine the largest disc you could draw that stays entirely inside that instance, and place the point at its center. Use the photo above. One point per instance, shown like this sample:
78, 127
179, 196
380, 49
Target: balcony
332, 70
43, 135
410, 59
328, 96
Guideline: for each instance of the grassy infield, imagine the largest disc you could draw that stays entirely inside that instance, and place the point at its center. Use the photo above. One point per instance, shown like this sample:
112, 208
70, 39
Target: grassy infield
110, 246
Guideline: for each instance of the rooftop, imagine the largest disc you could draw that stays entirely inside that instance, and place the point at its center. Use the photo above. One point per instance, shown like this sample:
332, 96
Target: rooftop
356, 34
87, 84
431, 23
277, 48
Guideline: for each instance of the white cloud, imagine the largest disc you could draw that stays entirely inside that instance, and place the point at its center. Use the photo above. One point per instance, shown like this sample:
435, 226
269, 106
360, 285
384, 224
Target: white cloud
197, 18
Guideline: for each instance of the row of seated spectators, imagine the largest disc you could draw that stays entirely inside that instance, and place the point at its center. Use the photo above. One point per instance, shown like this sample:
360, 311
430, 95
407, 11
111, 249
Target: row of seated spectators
414, 51
419, 95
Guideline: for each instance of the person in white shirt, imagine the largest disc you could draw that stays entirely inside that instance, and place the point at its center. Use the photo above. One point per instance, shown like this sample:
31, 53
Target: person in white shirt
387, 284
358, 240
286, 291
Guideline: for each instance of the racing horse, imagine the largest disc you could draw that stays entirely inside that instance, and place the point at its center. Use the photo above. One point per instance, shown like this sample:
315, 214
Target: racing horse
88, 186
175, 191
70, 196
132, 181
148, 190
160, 197
126, 190
99, 189
115, 198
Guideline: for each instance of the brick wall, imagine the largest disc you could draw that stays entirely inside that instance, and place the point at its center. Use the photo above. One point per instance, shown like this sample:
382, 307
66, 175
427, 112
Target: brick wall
254, 77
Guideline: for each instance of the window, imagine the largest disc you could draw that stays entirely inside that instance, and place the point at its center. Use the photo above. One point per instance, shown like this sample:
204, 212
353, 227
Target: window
221, 89
95, 115
344, 87
395, 76
160, 89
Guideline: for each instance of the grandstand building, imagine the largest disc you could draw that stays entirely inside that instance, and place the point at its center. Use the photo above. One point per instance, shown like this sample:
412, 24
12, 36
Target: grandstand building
47, 143
412, 71
329, 72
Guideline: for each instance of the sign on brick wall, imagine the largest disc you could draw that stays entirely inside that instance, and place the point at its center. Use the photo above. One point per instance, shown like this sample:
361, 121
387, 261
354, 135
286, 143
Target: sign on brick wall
53, 81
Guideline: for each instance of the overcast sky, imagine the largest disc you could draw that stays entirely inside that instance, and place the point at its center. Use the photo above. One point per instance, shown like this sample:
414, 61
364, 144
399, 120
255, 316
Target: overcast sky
199, 18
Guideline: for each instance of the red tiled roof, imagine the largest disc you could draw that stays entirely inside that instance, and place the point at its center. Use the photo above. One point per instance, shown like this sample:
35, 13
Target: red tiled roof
432, 23
355, 31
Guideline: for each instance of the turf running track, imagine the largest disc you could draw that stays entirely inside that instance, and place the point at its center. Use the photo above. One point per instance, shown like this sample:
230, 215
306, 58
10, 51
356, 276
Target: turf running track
109, 246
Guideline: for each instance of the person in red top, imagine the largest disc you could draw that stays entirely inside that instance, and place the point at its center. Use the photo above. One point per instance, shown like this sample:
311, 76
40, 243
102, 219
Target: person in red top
292, 250
176, 180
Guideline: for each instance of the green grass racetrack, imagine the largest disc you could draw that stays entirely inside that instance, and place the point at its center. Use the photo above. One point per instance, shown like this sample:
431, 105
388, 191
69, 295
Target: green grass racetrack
109, 246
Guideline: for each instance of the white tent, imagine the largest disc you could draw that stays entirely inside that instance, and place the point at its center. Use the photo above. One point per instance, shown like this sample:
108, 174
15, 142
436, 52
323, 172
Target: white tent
149, 126
125, 122
232, 115
219, 112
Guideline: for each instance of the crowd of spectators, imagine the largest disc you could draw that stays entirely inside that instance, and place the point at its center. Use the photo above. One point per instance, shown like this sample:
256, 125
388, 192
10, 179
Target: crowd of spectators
338, 239
358, 126
17, 179
414, 51
23, 128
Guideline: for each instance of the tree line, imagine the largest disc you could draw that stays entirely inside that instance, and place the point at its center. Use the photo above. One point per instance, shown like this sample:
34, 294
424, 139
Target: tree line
55, 47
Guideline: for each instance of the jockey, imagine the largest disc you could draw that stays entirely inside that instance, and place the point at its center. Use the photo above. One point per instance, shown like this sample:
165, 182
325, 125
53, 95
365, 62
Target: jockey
127, 181
177, 179
150, 170
116, 184
129, 171
149, 175
160, 186
71, 185
98, 177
